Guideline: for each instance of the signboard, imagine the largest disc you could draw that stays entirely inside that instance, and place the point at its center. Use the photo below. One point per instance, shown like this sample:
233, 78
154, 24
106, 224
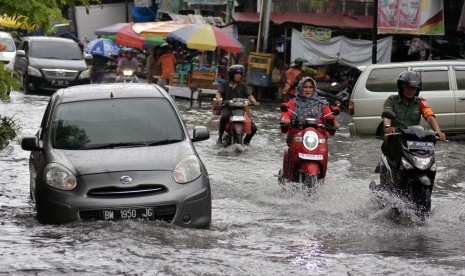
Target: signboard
320, 34
411, 17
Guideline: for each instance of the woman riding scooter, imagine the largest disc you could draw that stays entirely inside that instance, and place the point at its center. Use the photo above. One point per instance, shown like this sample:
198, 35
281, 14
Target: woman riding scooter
307, 104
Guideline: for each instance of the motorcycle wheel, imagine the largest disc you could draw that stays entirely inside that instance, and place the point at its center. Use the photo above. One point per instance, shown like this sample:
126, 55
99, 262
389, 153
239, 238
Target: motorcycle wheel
238, 139
308, 181
421, 197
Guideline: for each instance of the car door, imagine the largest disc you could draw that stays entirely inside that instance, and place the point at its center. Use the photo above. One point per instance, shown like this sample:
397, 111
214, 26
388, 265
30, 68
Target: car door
21, 62
459, 94
436, 89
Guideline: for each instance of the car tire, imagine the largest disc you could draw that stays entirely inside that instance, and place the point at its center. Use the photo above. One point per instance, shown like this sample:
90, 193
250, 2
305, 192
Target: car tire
25, 84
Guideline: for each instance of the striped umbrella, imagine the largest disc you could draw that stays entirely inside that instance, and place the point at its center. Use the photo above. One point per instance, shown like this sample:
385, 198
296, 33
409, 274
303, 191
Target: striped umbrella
205, 37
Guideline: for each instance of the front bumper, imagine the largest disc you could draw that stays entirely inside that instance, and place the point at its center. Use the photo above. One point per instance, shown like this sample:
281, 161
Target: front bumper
187, 205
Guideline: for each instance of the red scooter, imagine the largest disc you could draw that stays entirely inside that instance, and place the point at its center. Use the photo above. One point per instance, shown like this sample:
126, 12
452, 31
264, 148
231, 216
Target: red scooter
306, 158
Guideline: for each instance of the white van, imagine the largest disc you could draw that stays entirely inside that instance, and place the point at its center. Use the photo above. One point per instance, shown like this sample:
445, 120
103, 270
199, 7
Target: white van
443, 87
8, 55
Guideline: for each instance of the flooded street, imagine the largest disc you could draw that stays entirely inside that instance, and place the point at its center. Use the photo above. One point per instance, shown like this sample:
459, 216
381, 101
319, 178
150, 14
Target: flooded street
257, 227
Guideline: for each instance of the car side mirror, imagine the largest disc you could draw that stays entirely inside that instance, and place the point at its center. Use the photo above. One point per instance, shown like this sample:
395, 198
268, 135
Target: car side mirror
200, 133
88, 56
284, 107
30, 144
20, 53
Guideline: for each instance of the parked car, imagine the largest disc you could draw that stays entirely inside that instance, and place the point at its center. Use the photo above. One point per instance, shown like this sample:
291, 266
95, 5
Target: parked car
7, 55
443, 87
117, 151
50, 63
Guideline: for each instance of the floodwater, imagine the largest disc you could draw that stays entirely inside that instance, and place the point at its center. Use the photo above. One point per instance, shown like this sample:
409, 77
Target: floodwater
257, 227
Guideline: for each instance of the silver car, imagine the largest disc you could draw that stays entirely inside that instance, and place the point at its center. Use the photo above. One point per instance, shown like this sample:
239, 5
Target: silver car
117, 151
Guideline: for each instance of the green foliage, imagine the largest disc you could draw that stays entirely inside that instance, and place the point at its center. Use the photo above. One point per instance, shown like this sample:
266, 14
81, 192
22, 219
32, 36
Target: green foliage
8, 81
9, 129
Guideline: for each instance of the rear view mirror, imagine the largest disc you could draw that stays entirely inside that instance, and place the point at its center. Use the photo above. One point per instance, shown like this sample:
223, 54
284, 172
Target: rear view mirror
388, 114
284, 107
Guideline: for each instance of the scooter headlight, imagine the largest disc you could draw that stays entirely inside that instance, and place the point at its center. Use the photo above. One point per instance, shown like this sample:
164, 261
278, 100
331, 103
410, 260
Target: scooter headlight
310, 140
422, 163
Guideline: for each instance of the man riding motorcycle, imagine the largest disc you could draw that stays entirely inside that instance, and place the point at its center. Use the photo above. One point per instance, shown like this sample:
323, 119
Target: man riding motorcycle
129, 61
228, 90
307, 104
409, 108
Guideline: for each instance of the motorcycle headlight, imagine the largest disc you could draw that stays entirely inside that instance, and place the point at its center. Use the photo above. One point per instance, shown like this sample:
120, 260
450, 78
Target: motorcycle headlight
127, 73
187, 170
310, 140
84, 74
422, 163
31, 71
59, 177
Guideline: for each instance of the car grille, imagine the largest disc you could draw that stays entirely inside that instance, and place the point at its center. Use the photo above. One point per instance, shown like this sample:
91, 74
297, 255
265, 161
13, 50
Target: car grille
60, 73
165, 213
117, 192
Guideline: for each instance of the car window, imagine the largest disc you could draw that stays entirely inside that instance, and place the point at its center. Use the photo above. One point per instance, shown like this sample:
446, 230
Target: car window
434, 80
117, 122
9, 44
55, 50
384, 79
460, 76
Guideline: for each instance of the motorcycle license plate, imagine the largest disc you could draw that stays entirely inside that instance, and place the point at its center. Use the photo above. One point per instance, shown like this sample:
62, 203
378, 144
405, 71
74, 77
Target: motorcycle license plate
127, 214
311, 156
418, 145
237, 118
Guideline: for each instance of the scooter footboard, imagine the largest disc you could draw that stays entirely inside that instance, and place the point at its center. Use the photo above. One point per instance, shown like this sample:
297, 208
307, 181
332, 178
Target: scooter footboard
310, 168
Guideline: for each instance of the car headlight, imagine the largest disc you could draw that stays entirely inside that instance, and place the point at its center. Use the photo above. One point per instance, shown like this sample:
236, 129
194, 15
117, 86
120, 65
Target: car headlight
187, 170
85, 74
310, 140
31, 71
59, 177
422, 163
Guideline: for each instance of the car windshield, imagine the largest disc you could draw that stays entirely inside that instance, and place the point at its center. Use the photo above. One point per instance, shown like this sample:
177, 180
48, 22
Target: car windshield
113, 123
56, 50
8, 42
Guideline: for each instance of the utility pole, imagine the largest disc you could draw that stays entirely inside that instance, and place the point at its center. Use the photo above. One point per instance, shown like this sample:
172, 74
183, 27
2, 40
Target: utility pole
375, 33
262, 42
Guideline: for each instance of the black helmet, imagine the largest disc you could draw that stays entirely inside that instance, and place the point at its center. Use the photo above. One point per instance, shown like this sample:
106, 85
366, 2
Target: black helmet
234, 69
409, 79
298, 62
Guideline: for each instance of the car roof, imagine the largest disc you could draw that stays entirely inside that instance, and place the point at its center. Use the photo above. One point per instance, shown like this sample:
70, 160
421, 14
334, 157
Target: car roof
109, 90
5, 34
49, 38
417, 63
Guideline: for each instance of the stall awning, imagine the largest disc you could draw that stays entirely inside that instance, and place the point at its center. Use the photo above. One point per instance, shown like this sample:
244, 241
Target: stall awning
339, 21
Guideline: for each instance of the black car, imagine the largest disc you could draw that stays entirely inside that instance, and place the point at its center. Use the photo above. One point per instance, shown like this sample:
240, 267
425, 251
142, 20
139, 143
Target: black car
50, 63
117, 151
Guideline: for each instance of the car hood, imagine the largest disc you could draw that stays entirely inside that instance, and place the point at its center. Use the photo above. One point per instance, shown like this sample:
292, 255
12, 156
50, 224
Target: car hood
40, 63
158, 158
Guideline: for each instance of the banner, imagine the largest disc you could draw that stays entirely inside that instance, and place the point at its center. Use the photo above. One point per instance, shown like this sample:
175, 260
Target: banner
420, 17
320, 34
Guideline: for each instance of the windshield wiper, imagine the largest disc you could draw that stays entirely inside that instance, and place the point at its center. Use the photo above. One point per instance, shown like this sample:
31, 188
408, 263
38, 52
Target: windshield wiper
164, 142
117, 145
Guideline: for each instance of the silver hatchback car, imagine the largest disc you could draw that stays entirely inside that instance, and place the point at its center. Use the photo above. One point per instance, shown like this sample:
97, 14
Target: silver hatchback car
117, 151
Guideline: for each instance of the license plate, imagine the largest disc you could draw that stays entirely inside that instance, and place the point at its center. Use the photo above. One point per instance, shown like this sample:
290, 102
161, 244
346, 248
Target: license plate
128, 213
311, 156
237, 118
60, 82
418, 145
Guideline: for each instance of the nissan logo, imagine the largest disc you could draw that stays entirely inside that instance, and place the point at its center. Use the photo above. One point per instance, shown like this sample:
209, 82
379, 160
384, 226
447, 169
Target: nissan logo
125, 179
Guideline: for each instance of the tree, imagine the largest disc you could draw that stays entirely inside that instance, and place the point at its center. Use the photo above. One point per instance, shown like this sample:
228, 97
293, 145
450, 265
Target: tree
33, 13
